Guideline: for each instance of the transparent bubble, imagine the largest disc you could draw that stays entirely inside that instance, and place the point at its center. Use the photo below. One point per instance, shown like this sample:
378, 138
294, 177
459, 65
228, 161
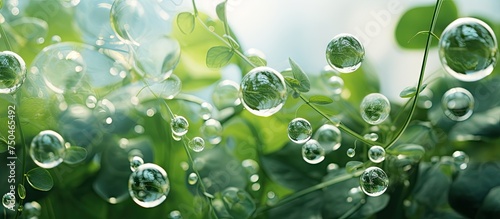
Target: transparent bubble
254, 178
373, 181
345, 53
12, 72
336, 84
328, 72
128, 19
32, 210
192, 178
468, 49
168, 88
376, 154
47, 149
313, 152
226, 94
272, 198
351, 152
179, 125
251, 166
263, 91
197, 144
371, 136
299, 130
135, 162
328, 136
91, 102
149, 185
206, 110
461, 159
211, 130
156, 58
9, 200
375, 108
175, 215
458, 104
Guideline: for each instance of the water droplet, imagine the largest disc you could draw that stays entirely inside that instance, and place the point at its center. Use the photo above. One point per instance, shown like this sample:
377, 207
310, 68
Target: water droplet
299, 130
256, 186
226, 94
197, 144
156, 58
211, 130
272, 198
313, 152
373, 181
263, 91
254, 178
184, 165
9, 200
461, 159
371, 136
332, 166
13, 72
251, 166
458, 104
47, 149
32, 210
375, 108
135, 162
192, 178
468, 49
328, 136
376, 154
91, 102
55, 39
345, 53
149, 185
336, 84
351, 152
179, 125
206, 110
175, 215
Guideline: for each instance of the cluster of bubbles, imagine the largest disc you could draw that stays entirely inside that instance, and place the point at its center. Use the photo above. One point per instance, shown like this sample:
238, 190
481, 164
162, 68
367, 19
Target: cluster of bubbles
148, 184
12, 72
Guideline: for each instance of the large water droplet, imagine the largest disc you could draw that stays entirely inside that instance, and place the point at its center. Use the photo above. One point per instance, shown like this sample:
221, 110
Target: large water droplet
197, 144
32, 210
458, 104
373, 181
375, 108
9, 200
149, 185
179, 125
12, 72
156, 58
263, 91
192, 178
468, 49
345, 53
299, 130
212, 131
47, 149
313, 152
226, 94
461, 159
328, 136
376, 154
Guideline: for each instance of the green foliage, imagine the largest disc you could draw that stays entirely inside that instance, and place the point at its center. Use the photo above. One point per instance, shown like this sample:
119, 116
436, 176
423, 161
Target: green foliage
74, 155
219, 56
40, 179
304, 85
186, 22
321, 100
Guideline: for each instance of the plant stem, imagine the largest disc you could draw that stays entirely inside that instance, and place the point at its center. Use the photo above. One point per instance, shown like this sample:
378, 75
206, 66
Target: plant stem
421, 77
24, 148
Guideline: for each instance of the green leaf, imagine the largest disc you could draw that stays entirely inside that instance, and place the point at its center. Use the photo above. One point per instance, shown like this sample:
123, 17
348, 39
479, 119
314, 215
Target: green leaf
219, 56
298, 73
412, 150
257, 61
320, 99
294, 83
421, 133
352, 166
411, 91
490, 208
220, 9
185, 21
3, 144
40, 179
21, 191
74, 155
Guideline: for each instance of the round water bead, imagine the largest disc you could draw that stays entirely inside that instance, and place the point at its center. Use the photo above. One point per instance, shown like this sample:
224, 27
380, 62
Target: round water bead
149, 185
461, 159
47, 149
251, 166
373, 181
345, 53
458, 104
351, 152
375, 108
135, 162
371, 136
175, 214
206, 110
336, 84
226, 94
328, 136
313, 152
32, 210
12, 72
299, 130
192, 178
468, 49
9, 200
263, 91
376, 154
179, 125
156, 58
212, 131
197, 144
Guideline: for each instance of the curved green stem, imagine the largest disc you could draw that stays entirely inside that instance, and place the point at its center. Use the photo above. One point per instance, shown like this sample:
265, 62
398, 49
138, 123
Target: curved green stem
24, 148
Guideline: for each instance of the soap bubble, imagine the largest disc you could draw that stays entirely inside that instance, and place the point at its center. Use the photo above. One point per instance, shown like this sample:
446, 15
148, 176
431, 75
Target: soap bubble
212, 131
299, 130
375, 108
468, 49
197, 144
458, 104
156, 58
12, 72
328, 136
9, 200
376, 154
373, 181
263, 91
226, 94
345, 53
179, 125
313, 152
461, 159
47, 149
335, 84
149, 185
